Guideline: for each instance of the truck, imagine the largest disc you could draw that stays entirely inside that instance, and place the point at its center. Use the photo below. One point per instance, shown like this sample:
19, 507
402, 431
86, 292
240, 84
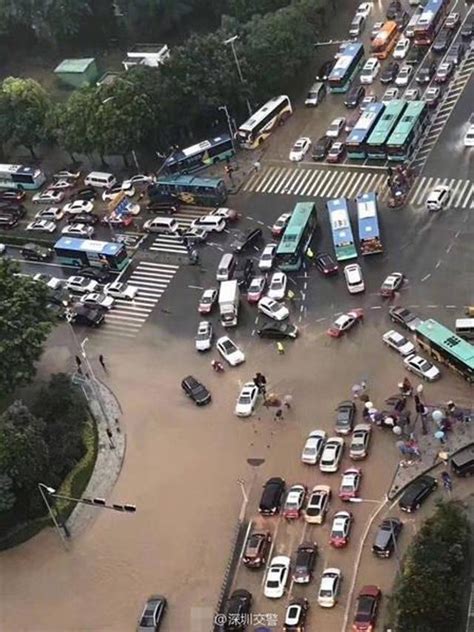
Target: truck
229, 299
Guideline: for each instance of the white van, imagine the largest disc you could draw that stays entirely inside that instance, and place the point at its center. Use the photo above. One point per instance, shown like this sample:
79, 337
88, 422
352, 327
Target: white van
226, 267
100, 179
209, 223
161, 225
354, 279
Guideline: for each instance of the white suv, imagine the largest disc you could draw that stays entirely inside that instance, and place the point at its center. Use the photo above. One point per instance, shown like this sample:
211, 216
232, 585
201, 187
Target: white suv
354, 279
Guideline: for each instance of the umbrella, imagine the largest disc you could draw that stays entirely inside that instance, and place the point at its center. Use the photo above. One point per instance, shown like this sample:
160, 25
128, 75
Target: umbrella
356, 389
368, 405
439, 434
397, 430
437, 416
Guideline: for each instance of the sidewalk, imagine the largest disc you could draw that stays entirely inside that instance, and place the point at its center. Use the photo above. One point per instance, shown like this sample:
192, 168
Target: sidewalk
243, 164
109, 459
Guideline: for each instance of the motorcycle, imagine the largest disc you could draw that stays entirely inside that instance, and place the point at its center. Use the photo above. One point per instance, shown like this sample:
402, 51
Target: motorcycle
217, 366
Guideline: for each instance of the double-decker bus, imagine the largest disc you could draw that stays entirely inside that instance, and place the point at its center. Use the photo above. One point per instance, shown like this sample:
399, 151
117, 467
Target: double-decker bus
200, 156
356, 141
446, 347
341, 230
297, 237
189, 190
430, 22
89, 252
385, 40
21, 177
407, 132
368, 224
375, 145
261, 124
349, 60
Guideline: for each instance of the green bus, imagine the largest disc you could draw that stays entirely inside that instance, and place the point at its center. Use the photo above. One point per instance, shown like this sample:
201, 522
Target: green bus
189, 189
407, 132
297, 237
375, 146
446, 347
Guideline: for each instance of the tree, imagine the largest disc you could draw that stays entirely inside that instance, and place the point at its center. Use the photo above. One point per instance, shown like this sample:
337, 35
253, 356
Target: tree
243, 10
7, 497
24, 455
29, 104
25, 323
6, 120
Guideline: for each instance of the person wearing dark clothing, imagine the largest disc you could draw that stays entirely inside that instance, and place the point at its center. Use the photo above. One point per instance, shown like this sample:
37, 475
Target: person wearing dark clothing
102, 362
260, 382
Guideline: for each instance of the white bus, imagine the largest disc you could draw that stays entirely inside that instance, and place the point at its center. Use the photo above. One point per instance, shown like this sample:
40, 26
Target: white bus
262, 123
21, 177
465, 328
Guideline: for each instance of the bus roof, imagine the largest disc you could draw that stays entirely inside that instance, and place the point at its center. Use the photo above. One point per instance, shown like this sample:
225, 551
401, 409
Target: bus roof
344, 60
406, 123
20, 170
260, 114
446, 339
89, 245
365, 122
430, 10
382, 36
387, 122
338, 214
366, 205
186, 180
178, 156
296, 225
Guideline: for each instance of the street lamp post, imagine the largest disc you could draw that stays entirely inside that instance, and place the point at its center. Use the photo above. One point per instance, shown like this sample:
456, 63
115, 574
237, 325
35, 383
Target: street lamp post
231, 41
50, 491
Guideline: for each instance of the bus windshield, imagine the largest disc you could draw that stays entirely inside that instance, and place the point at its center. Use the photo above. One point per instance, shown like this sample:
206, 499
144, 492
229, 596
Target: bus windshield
341, 230
89, 252
297, 236
261, 124
201, 155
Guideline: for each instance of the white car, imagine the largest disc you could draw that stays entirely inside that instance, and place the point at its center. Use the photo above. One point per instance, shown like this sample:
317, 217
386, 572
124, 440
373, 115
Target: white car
61, 185
209, 223
438, 198
367, 100
401, 49
364, 9
313, 447
318, 504
229, 214
78, 206
354, 279
329, 587
332, 455
277, 576
204, 336
81, 284
247, 400
65, 174
421, 367
42, 225
273, 309
336, 127
404, 76
97, 299
360, 442
110, 194
300, 149
350, 484
78, 230
390, 94
280, 225
53, 213
398, 342
48, 197
119, 289
138, 179
370, 70
469, 136
277, 286
52, 282
413, 94
266, 258
230, 351
340, 529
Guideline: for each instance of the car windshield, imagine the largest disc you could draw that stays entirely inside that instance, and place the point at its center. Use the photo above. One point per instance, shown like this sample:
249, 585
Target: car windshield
273, 583
337, 533
424, 365
310, 450
255, 286
202, 335
244, 399
347, 487
325, 593
277, 284
229, 346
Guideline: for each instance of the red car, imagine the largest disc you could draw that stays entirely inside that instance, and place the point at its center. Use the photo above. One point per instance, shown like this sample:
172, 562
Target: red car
326, 264
340, 530
256, 289
206, 303
366, 609
345, 322
350, 483
336, 153
118, 221
294, 502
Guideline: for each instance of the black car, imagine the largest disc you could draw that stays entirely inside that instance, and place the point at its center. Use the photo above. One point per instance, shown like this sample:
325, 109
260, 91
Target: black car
196, 391
153, 614
417, 492
354, 97
345, 417
326, 264
34, 252
85, 315
295, 616
59, 296
442, 41
86, 218
467, 29
415, 55
57, 311
272, 495
102, 276
304, 563
386, 537
244, 240
237, 610
456, 53
8, 220
393, 9
321, 148
11, 208
390, 72
88, 193
278, 331
404, 317
12, 195
325, 70
425, 74
243, 273
166, 207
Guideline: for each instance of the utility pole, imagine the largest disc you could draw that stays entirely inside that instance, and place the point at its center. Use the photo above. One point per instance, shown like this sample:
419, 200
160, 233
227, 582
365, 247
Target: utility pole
232, 41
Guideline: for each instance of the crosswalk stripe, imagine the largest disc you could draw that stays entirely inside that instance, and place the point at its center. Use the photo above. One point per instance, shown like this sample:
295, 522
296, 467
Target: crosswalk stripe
468, 197
266, 178
362, 186
341, 185
280, 183
293, 179
418, 194
160, 266
328, 184
303, 181
312, 183
458, 201
322, 183
355, 186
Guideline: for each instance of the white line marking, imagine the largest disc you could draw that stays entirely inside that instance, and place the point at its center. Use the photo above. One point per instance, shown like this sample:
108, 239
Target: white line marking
425, 278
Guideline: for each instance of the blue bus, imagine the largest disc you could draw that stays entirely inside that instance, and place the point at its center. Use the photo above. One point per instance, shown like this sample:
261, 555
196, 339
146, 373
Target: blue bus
341, 230
368, 224
356, 141
349, 60
200, 156
88, 252
189, 190
297, 237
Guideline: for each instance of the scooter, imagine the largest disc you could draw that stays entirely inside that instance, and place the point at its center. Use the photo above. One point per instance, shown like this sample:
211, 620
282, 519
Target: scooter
217, 366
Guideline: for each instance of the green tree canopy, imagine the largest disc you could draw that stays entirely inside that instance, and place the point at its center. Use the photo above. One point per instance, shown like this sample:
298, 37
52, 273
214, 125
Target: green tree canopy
24, 326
